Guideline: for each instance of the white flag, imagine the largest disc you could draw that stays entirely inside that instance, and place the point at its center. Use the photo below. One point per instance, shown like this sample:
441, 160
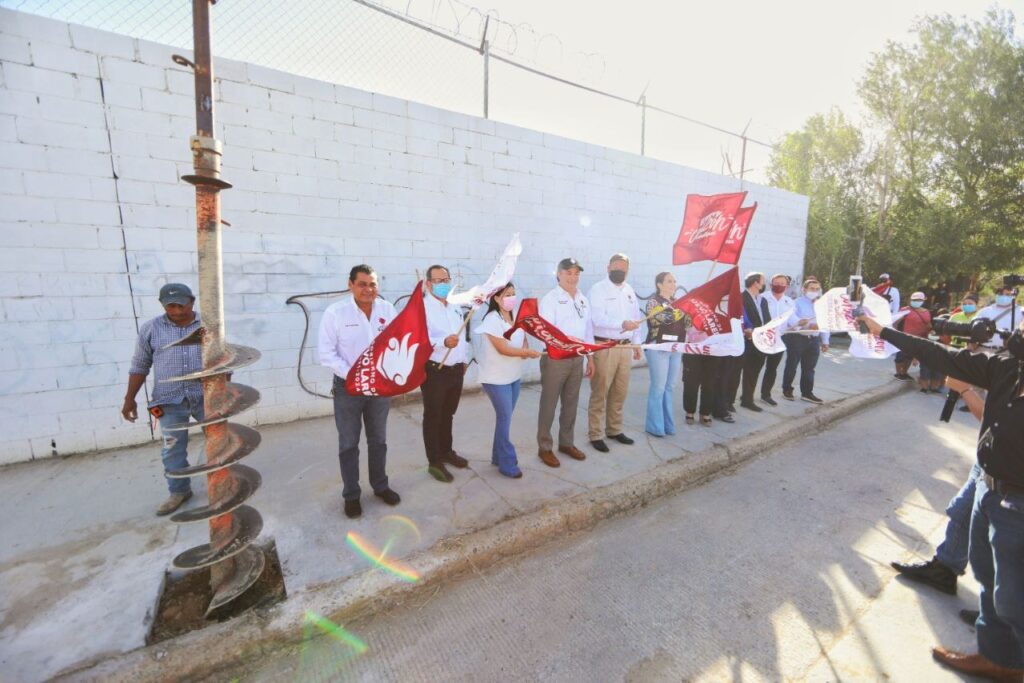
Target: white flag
500, 276
835, 313
730, 344
768, 338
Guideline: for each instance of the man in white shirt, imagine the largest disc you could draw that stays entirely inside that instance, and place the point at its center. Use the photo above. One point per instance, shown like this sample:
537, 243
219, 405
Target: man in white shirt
566, 308
346, 330
779, 306
888, 290
617, 317
445, 370
1005, 313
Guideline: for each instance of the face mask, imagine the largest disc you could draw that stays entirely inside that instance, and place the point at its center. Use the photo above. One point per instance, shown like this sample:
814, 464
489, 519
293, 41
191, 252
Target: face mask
916, 304
812, 294
778, 289
442, 289
1004, 300
969, 308
617, 276
760, 290
509, 302
1015, 345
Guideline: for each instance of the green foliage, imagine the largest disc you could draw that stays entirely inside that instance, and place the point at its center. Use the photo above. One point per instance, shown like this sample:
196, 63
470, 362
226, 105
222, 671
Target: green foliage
934, 180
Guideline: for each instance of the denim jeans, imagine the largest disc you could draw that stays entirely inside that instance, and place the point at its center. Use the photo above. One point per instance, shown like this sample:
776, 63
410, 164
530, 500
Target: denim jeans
350, 414
997, 546
804, 351
503, 453
663, 367
175, 449
952, 552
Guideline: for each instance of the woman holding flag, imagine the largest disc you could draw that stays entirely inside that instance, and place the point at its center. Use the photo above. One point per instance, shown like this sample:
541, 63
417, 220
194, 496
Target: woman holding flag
501, 368
665, 323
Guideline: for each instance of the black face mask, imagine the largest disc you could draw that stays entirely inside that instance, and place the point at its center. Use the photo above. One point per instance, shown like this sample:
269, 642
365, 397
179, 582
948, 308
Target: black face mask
1015, 345
760, 290
617, 276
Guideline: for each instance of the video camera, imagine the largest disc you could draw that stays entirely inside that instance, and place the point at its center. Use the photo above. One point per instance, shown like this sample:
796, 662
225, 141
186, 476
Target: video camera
977, 331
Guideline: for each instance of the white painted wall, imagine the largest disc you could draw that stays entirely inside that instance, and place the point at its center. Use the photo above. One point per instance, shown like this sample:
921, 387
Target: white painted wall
325, 177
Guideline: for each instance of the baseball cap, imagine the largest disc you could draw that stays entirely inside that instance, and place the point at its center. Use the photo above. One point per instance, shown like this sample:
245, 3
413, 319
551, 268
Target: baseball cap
884, 276
618, 256
918, 295
175, 293
567, 263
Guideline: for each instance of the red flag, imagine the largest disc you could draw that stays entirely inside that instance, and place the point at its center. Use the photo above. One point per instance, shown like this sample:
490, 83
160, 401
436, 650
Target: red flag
396, 361
704, 304
736, 236
706, 222
560, 345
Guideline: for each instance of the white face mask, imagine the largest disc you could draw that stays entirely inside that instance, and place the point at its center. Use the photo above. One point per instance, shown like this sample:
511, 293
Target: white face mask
812, 294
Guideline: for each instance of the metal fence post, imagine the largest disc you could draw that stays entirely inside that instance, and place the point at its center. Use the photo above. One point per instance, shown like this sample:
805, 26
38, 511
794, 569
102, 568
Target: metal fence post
643, 124
485, 50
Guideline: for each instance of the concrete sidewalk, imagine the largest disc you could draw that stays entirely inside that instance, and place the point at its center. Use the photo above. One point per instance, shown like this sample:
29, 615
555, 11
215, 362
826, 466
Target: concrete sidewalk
84, 555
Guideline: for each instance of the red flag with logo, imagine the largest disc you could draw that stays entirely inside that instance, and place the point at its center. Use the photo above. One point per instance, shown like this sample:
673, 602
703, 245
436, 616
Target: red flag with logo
560, 345
396, 362
736, 236
714, 303
706, 223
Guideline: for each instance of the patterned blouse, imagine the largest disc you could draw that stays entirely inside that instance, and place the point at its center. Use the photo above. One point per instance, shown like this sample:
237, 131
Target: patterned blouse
665, 323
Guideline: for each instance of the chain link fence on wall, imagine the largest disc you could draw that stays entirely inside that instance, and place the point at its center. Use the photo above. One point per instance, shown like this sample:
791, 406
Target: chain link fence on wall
449, 55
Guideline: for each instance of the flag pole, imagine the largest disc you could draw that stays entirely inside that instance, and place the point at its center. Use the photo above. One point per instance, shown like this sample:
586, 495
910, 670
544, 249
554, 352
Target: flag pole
462, 328
713, 264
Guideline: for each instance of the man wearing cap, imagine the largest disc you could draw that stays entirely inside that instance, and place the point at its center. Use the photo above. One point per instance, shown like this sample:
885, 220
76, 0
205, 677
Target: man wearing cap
617, 317
566, 308
171, 402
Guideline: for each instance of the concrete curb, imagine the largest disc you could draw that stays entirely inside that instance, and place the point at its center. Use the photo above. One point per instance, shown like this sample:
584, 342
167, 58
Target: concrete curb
232, 643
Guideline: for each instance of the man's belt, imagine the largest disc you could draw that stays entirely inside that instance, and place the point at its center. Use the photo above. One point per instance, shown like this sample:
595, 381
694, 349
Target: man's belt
1002, 487
618, 342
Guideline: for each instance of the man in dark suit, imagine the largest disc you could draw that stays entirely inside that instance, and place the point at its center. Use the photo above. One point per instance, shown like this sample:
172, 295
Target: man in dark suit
755, 314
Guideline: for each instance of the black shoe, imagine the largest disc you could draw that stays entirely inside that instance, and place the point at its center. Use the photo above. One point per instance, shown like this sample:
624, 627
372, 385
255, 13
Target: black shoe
726, 418
769, 400
438, 471
455, 460
904, 378
750, 405
788, 395
964, 409
931, 573
969, 616
388, 496
811, 398
599, 445
622, 438
353, 509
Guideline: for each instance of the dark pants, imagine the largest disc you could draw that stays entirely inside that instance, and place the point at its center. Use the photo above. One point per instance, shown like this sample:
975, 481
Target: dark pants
753, 361
723, 370
803, 351
441, 393
732, 369
350, 414
698, 381
771, 367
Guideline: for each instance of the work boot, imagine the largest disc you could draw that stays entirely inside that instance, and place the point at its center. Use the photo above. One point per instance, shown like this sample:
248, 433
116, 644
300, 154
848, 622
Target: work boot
931, 573
173, 502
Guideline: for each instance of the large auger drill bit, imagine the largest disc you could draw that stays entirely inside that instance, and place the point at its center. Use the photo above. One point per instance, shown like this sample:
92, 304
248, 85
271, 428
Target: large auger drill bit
234, 564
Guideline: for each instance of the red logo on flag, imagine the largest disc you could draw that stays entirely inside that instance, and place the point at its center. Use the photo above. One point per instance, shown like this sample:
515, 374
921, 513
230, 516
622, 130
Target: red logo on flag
714, 303
706, 223
396, 362
736, 235
560, 345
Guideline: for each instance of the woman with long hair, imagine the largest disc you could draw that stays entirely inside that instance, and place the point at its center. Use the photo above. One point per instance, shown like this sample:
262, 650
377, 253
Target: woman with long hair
664, 324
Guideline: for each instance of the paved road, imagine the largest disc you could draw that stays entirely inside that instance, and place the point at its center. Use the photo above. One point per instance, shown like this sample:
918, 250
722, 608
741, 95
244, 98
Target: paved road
778, 571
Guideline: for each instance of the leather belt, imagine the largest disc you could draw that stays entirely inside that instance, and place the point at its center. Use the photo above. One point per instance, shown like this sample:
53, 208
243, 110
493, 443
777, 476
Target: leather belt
618, 342
1002, 487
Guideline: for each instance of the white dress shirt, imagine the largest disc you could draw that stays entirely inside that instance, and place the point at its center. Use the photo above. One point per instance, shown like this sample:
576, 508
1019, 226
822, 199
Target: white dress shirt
345, 332
496, 368
612, 305
444, 321
570, 314
780, 307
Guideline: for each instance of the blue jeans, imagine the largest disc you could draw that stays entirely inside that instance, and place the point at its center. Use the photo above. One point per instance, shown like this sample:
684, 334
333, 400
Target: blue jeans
503, 453
664, 369
175, 449
997, 546
350, 414
952, 552
802, 350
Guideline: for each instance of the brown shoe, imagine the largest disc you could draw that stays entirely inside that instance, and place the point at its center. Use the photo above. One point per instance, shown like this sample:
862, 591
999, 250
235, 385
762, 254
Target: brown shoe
173, 502
549, 458
455, 460
572, 452
977, 665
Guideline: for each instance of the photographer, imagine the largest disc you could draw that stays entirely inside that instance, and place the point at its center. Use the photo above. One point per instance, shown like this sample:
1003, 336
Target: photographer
997, 522
1005, 312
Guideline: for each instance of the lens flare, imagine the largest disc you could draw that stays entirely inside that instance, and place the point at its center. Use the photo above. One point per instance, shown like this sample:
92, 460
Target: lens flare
397, 526
337, 632
323, 661
378, 557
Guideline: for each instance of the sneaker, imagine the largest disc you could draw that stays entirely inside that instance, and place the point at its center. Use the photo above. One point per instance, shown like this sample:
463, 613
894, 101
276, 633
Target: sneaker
811, 398
353, 508
931, 573
173, 502
788, 395
388, 496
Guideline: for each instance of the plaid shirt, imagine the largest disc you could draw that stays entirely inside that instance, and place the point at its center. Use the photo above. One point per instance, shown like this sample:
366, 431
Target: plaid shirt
173, 362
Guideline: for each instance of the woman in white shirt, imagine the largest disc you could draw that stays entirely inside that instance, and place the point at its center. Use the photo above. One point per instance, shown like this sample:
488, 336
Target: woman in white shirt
501, 367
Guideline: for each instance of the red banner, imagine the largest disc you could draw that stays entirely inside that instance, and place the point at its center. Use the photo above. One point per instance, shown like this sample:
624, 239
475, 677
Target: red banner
560, 345
396, 362
736, 236
706, 224
705, 303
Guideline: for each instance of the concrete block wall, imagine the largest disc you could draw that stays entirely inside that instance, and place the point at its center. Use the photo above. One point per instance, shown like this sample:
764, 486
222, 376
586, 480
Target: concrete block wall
94, 132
